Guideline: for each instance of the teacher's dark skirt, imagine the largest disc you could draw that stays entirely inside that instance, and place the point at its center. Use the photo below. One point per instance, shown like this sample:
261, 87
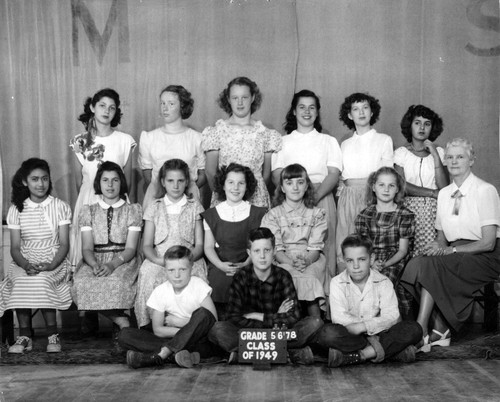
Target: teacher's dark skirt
452, 279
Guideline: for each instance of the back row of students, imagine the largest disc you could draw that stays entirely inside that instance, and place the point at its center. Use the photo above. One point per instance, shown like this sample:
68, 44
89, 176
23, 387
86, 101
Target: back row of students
241, 139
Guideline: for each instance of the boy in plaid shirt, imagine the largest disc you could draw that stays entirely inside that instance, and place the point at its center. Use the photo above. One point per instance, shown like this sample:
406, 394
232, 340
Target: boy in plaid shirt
262, 295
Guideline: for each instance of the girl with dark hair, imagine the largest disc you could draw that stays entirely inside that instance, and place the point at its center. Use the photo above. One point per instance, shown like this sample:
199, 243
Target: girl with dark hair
39, 242
390, 226
100, 142
173, 140
363, 153
172, 220
420, 162
227, 226
111, 229
300, 228
320, 155
241, 139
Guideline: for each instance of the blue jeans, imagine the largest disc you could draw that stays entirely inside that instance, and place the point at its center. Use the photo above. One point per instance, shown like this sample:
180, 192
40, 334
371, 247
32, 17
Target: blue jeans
393, 340
225, 333
193, 336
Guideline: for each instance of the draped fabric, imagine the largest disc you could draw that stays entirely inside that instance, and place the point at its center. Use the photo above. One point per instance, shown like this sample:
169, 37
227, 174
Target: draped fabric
444, 54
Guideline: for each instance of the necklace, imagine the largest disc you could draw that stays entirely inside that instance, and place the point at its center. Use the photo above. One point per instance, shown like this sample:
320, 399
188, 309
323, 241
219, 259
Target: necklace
418, 150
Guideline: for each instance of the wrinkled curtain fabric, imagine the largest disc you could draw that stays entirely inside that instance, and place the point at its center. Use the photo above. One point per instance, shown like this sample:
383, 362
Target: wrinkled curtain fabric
444, 54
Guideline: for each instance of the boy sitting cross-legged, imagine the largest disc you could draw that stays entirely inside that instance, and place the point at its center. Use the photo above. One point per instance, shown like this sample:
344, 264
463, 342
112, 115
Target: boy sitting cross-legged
183, 313
262, 295
365, 316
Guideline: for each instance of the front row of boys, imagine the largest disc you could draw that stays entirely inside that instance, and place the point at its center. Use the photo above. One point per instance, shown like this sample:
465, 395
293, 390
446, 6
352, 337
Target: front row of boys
365, 326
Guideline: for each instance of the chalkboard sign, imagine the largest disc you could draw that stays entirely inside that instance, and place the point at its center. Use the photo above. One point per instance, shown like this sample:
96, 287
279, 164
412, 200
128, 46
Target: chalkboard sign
264, 345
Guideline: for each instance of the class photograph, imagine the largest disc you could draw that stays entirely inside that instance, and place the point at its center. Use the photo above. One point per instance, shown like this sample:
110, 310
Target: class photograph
250, 200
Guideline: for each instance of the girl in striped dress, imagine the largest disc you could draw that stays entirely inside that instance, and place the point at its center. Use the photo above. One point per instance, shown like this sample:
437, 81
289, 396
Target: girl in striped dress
39, 243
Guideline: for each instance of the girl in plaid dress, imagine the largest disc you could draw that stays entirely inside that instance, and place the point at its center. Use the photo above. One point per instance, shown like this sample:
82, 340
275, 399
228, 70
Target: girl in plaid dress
390, 226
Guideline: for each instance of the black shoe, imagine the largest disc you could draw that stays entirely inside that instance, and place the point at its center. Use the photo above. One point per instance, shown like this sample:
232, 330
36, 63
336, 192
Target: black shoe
336, 358
407, 355
137, 360
185, 359
301, 356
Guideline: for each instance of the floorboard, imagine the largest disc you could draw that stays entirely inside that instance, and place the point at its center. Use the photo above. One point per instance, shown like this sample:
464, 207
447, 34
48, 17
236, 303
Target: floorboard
443, 380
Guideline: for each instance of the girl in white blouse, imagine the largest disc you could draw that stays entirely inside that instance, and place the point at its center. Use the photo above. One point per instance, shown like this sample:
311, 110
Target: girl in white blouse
320, 155
363, 153
420, 163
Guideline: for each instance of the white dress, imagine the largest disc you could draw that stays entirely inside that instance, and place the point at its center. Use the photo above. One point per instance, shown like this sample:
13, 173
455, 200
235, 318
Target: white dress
116, 148
156, 147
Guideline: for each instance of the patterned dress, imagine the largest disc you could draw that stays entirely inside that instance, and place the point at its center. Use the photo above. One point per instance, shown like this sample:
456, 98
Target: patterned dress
170, 230
297, 231
39, 225
420, 172
110, 226
116, 148
245, 146
385, 229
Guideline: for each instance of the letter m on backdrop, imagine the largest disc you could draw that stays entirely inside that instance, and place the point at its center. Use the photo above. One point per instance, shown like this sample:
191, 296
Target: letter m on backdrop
99, 43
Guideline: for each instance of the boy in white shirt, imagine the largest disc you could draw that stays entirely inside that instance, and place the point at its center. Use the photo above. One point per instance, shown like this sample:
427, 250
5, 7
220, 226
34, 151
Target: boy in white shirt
183, 313
366, 324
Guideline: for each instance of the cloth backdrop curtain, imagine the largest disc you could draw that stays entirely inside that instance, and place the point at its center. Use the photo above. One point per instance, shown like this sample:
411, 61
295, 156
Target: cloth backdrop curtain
443, 54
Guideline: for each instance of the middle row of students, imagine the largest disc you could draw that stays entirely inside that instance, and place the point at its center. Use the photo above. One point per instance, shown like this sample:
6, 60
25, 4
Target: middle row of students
105, 280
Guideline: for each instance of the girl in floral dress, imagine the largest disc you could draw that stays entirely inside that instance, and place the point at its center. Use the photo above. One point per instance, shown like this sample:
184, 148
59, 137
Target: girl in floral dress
100, 142
241, 139
39, 243
172, 220
106, 281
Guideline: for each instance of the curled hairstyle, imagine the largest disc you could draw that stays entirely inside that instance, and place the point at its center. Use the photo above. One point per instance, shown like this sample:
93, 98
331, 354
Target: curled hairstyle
291, 120
109, 166
20, 191
371, 198
465, 144
173, 164
221, 176
223, 99
357, 240
421, 111
294, 171
345, 108
88, 114
185, 99
178, 253
258, 234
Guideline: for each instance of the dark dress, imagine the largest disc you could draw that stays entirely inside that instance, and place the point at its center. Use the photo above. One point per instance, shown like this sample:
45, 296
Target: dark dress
231, 238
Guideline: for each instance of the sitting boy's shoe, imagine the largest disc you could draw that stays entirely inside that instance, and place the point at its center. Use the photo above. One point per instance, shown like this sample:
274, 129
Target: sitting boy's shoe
233, 358
407, 355
301, 356
23, 343
185, 359
54, 345
336, 358
137, 360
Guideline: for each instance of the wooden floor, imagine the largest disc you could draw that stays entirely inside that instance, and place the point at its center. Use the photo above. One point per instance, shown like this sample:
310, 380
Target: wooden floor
440, 380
